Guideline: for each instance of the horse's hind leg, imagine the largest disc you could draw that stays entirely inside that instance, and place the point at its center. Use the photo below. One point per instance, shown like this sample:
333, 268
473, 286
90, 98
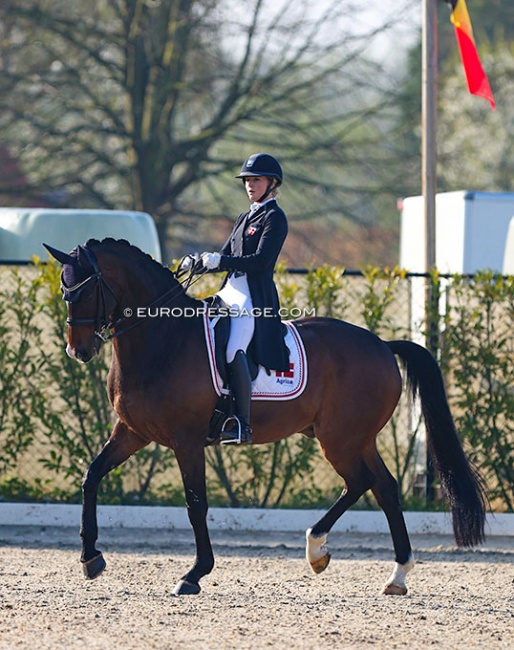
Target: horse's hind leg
386, 493
122, 444
358, 480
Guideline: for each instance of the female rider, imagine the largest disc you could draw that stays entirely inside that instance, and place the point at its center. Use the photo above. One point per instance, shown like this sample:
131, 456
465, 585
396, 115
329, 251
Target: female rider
249, 255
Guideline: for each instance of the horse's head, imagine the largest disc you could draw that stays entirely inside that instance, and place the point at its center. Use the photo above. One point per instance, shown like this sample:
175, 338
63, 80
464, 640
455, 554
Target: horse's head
90, 301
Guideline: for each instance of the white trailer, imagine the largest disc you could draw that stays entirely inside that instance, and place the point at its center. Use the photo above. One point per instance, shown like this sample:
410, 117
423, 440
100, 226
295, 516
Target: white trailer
23, 230
471, 231
508, 258
471, 235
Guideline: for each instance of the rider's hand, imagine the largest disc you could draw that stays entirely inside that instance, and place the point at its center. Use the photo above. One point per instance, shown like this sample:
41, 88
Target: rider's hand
211, 261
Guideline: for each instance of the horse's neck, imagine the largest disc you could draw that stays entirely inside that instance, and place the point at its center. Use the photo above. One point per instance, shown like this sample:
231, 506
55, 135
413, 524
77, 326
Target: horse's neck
160, 336
140, 287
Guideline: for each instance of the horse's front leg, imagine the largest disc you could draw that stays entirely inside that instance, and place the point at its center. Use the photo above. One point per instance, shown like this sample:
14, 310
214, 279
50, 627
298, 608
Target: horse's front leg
122, 444
192, 466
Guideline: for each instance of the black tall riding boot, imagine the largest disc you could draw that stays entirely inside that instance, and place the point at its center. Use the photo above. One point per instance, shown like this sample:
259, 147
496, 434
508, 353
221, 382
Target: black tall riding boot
238, 431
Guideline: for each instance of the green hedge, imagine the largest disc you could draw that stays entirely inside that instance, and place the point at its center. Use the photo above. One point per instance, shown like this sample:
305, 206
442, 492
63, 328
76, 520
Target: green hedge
477, 354
55, 416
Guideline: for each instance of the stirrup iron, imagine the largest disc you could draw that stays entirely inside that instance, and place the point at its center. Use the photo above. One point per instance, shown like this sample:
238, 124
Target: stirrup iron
235, 440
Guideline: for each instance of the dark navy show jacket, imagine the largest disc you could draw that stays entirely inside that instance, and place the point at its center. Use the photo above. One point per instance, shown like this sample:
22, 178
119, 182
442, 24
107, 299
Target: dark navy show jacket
253, 248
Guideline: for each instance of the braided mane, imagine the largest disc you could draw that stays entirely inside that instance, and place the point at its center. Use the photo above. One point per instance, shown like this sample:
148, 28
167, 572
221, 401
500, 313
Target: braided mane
123, 247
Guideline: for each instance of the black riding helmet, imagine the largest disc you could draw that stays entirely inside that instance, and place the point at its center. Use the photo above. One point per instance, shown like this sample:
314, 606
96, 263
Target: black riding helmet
262, 164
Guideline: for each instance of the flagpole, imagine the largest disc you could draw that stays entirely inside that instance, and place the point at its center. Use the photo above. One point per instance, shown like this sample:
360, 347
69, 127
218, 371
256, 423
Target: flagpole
429, 108
429, 158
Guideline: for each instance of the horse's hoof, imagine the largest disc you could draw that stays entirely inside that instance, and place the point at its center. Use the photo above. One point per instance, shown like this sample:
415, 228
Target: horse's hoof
394, 590
395, 586
94, 567
186, 588
316, 551
318, 566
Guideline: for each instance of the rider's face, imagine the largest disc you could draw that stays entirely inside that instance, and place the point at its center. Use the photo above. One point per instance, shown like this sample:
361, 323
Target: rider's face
256, 186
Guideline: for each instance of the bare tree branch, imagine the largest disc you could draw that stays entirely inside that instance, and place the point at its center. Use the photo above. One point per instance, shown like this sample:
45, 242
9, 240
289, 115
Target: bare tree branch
130, 103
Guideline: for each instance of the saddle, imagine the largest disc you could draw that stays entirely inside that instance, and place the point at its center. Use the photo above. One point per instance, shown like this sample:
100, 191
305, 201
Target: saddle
266, 385
218, 309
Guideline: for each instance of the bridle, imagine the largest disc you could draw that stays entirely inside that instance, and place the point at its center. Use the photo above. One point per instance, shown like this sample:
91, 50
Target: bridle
104, 329
73, 294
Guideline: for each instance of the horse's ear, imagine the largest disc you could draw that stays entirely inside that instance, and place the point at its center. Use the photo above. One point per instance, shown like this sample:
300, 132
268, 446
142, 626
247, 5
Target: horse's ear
60, 256
83, 254
86, 258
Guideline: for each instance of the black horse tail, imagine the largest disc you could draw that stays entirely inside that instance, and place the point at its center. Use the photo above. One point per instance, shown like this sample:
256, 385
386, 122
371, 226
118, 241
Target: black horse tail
462, 484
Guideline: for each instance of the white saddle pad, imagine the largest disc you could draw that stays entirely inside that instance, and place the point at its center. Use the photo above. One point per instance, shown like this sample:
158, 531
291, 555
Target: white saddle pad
275, 386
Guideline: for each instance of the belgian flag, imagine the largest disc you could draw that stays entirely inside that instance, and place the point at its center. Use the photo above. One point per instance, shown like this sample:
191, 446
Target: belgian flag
478, 83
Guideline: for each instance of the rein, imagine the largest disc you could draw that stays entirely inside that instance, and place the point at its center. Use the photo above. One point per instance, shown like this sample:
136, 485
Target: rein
101, 321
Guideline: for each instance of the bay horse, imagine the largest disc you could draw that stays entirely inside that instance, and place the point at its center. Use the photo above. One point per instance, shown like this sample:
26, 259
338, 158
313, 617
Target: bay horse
160, 386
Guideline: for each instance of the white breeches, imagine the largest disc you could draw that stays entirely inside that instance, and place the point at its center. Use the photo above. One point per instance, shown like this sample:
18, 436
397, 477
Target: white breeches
236, 294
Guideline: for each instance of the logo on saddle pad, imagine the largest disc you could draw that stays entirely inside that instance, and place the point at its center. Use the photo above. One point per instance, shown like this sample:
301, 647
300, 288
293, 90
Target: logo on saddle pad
285, 377
278, 385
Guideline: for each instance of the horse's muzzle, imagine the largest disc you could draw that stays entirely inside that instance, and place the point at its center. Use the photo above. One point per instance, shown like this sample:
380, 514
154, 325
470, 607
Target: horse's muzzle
80, 354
